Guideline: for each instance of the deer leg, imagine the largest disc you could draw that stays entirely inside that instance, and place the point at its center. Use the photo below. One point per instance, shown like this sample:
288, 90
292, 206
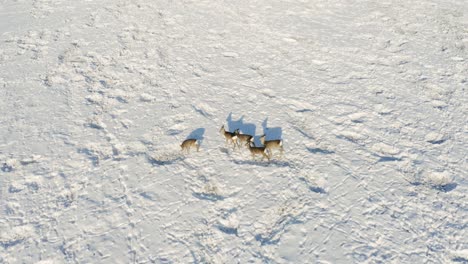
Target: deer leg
234, 143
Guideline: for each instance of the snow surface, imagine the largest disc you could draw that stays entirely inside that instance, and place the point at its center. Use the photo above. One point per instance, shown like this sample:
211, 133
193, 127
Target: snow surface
368, 96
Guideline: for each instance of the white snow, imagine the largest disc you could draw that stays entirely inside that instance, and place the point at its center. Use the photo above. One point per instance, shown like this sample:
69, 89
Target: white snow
368, 97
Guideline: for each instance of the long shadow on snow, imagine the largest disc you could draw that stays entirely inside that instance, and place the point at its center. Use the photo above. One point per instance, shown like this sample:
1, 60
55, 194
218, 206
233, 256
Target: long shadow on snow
437, 142
446, 187
317, 189
197, 134
277, 163
245, 128
460, 259
10, 243
388, 158
164, 161
304, 133
312, 188
228, 230
208, 196
271, 133
320, 151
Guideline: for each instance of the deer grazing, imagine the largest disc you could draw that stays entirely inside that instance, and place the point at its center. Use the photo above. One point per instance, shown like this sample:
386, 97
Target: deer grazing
272, 144
257, 150
190, 143
244, 139
231, 138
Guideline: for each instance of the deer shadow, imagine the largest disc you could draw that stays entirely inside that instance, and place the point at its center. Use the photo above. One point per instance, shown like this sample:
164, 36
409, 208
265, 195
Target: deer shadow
245, 128
197, 134
271, 133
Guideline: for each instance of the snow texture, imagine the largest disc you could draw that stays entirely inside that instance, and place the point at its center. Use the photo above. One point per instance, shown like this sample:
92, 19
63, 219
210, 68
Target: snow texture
369, 98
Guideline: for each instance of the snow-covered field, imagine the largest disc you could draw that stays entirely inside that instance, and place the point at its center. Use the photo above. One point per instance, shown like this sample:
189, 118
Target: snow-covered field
370, 98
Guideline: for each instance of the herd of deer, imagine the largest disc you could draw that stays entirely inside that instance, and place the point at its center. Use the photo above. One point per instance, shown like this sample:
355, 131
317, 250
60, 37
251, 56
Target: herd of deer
236, 139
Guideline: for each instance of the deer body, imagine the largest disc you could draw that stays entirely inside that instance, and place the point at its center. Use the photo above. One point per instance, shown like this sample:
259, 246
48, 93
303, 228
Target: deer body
272, 144
243, 138
190, 143
257, 151
231, 138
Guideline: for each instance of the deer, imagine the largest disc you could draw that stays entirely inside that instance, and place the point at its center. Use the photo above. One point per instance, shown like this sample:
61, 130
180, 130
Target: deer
229, 136
243, 138
189, 143
272, 144
254, 150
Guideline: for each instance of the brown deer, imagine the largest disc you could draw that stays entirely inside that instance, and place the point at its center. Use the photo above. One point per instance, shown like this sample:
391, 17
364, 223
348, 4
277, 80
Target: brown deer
230, 137
189, 143
257, 150
244, 139
272, 144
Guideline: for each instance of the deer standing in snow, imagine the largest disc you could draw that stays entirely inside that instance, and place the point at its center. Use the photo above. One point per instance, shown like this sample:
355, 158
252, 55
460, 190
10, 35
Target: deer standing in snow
190, 143
272, 144
254, 150
244, 139
230, 137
